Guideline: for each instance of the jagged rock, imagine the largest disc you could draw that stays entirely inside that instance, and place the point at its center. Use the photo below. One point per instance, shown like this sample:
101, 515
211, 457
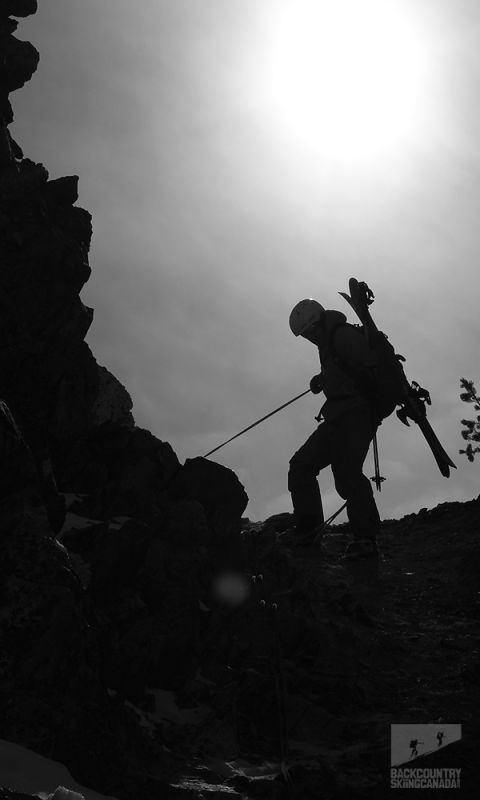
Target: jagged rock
218, 490
140, 474
8, 25
113, 403
125, 606
6, 114
42, 599
75, 386
19, 62
25, 177
16, 149
49, 664
63, 191
44, 360
125, 470
18, 8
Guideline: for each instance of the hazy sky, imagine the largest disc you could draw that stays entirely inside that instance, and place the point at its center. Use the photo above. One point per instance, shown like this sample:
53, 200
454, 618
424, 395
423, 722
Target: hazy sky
237, 156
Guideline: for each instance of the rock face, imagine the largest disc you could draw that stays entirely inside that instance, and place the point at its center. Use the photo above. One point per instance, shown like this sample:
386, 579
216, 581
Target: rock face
49, 669
89, 624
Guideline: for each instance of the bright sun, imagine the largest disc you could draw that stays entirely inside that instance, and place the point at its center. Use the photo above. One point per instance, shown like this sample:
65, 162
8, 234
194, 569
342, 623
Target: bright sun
347, 77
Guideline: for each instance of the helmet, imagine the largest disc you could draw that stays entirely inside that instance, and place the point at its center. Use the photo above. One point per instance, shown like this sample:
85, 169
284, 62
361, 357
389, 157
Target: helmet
305, 314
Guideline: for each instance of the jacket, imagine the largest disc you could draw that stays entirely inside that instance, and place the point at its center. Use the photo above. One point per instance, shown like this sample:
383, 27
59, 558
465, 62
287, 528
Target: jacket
341, 390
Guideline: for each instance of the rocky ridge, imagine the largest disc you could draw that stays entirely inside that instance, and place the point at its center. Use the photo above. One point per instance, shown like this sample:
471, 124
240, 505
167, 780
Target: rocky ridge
120, 657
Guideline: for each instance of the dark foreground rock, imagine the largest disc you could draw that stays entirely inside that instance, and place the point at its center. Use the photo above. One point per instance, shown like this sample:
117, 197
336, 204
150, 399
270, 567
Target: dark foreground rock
292, 688
305, 677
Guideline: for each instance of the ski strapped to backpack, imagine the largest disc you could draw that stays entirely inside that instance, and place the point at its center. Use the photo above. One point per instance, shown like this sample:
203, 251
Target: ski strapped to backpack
391, 387
383, 383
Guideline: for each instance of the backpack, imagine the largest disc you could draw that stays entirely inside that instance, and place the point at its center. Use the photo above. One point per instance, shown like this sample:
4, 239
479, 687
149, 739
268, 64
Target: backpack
383, 386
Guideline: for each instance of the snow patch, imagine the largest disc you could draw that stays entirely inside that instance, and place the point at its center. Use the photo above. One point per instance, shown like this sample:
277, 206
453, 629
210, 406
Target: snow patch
62, 793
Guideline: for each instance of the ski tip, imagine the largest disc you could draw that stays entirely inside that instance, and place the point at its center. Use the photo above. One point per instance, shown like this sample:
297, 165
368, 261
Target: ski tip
348, 299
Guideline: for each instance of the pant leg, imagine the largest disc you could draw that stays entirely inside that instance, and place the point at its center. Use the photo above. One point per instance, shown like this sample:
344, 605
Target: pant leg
352, 441
305, 465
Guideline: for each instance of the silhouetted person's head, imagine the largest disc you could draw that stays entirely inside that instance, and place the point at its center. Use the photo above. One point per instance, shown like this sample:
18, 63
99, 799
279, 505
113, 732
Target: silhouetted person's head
307, 320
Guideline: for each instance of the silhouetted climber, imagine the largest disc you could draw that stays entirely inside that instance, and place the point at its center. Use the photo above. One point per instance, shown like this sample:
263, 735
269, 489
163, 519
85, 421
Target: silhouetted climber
440, 738
414, 746
343, 438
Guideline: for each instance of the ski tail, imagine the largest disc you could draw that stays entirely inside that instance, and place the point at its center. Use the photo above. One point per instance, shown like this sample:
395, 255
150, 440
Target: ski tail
442, 458
359, 299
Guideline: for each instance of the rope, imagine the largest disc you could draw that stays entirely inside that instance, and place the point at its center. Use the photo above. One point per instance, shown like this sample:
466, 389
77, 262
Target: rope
256, 423
328, 521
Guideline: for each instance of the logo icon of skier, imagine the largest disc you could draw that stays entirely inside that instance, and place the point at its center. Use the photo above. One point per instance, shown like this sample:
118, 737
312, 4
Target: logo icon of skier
414, 741
440, 738
414, 747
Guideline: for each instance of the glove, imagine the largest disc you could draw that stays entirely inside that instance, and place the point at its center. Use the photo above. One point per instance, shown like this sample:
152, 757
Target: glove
316, 384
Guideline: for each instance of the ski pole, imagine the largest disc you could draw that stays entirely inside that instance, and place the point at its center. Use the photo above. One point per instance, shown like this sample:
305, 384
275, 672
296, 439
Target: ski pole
377, 478
256, 423
328, 521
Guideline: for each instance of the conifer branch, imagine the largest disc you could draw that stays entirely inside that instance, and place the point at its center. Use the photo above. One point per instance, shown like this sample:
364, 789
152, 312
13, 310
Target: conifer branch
471, 430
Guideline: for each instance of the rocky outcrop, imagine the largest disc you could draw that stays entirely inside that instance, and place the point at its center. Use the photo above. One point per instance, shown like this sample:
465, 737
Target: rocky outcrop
19, 62
89, 620
19, 8
52, 379
52, 697
113, 404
